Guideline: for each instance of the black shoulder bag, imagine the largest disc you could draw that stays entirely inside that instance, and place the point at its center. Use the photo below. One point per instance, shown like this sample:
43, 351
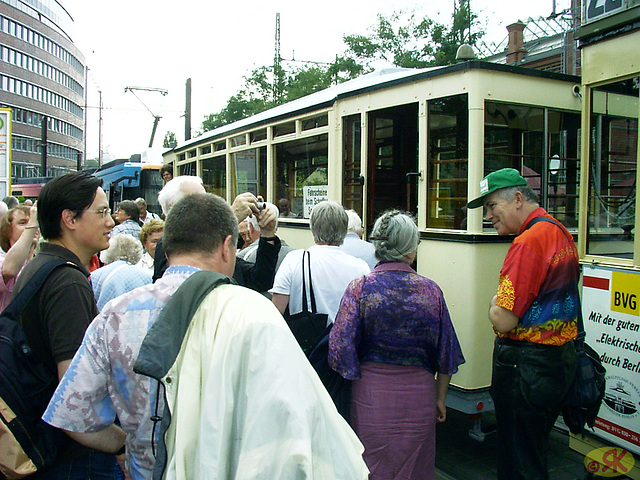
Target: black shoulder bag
307, 326
583, 400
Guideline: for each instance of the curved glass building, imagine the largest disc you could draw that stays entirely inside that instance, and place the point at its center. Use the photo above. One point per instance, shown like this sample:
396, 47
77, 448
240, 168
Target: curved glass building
42, 80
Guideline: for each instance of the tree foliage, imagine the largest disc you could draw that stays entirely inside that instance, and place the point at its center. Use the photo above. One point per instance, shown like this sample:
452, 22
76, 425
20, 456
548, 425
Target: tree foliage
403, 40
170, 140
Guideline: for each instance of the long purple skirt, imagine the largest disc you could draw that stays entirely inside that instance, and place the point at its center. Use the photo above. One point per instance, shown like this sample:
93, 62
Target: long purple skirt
393, 411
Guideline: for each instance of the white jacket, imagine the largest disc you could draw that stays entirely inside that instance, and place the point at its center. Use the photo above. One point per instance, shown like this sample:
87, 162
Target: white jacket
246, 404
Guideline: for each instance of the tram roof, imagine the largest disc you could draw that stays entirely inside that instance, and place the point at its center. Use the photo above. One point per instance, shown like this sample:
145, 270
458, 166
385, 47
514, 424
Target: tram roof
376, 80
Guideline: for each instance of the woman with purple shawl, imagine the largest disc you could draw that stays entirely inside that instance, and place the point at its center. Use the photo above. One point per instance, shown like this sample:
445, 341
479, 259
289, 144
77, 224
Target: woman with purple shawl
394, 338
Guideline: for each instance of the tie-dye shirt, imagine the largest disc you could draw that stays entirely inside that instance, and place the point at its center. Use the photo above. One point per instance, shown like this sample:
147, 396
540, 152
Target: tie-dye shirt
100, 382
539, 283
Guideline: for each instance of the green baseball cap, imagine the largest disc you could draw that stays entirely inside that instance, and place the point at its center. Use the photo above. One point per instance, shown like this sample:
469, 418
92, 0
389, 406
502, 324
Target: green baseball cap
503, 178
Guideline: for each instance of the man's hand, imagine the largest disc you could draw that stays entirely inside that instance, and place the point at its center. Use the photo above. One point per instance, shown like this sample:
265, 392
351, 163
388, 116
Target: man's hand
268, 221
244, 205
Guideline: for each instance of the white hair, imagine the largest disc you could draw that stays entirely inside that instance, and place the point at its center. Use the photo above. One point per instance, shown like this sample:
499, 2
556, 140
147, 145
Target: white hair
355, 223
122, 247
176, 189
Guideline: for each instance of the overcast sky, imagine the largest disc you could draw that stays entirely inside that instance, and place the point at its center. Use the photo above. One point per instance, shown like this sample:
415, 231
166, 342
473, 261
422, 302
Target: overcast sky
161, 43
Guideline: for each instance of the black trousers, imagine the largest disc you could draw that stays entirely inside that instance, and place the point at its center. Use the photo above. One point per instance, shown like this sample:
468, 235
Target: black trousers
528, 387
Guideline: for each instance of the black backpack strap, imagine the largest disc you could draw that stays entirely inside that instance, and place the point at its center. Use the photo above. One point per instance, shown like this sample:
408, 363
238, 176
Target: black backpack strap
305, 308
313, 297
546, 219
18, 304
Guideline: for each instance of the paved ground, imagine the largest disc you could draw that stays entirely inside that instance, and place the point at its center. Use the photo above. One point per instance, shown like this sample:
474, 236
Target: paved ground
459, 457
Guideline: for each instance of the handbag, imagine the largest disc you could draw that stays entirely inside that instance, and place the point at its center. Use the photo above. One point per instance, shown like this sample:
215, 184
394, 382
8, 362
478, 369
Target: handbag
307, 326
586, 392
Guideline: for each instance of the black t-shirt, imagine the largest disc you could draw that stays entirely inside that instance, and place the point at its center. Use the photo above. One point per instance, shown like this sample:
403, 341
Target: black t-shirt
55, 319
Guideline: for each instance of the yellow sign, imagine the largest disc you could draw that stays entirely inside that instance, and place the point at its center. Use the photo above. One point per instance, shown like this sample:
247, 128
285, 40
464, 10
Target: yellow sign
609, 462
625, 290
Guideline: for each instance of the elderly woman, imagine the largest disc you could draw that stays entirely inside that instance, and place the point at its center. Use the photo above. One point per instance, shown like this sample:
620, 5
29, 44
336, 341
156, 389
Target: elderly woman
120, 273
331, 268
393, 337
18, 239
150, 233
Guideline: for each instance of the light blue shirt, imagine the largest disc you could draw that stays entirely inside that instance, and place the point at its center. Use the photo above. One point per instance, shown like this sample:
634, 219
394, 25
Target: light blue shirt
117, 278
358, 248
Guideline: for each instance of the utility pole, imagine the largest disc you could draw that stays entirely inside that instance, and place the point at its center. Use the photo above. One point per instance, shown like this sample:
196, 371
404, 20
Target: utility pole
100, 129
277, 67
43, 145
83, 157
187, 111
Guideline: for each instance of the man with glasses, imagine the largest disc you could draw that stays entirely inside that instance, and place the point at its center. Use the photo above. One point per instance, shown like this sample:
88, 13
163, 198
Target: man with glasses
74, 218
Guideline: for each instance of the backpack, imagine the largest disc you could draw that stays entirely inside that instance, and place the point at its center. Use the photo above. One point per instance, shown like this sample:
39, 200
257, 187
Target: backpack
29, 444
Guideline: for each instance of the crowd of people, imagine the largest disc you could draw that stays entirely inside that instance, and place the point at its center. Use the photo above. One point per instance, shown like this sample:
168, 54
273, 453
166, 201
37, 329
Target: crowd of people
170, 343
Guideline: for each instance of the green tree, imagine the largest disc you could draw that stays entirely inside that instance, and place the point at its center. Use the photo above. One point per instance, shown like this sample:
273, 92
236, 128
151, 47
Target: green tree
406, 40
169, 140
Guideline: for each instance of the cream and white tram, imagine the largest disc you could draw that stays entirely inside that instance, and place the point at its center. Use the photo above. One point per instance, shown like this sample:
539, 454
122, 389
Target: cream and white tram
418, 140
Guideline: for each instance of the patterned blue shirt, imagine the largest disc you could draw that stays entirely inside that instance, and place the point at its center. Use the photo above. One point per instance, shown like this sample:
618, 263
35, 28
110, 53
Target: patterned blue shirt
100, 383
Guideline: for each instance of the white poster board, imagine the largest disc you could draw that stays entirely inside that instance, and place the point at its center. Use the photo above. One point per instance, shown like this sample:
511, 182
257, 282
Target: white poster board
313, 196
5, 151
611, 313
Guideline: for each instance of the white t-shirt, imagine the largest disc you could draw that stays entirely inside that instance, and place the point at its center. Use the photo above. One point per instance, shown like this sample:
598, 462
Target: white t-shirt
332, 271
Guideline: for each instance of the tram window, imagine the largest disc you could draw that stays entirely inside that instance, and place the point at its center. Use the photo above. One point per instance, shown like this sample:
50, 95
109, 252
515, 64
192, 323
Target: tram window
214, 175
205, 150
448, 162
192, 153
238, 141
251, 171
258, 136
613, 160
351, 164
300, 163
219, 146
315, 122
284, 129
181, 156
543, 145
188, 169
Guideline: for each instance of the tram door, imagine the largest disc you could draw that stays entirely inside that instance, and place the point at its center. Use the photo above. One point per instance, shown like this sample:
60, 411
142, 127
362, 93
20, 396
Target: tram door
392, 161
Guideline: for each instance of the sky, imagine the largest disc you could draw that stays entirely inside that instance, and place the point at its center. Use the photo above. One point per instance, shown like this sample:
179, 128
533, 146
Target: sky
158, 44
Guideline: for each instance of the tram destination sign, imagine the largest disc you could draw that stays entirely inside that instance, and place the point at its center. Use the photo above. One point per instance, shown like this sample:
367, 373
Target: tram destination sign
594, 10
611, 313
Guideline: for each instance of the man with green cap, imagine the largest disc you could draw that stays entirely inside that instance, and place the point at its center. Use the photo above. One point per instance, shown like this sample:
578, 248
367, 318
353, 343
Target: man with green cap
534, 315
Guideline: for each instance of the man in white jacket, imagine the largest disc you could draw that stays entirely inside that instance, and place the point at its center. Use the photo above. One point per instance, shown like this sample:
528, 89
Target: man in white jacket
242, 401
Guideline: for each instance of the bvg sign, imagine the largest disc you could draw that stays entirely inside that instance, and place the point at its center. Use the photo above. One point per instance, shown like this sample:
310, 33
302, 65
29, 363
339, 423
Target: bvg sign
609, 462
624, 294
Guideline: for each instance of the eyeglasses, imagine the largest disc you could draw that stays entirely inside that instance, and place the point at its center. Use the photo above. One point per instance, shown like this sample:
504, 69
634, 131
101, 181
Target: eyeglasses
103, 212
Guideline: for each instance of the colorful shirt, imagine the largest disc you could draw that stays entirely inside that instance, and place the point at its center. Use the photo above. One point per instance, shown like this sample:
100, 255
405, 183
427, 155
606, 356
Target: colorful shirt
539, 283
100, 382
397, 317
